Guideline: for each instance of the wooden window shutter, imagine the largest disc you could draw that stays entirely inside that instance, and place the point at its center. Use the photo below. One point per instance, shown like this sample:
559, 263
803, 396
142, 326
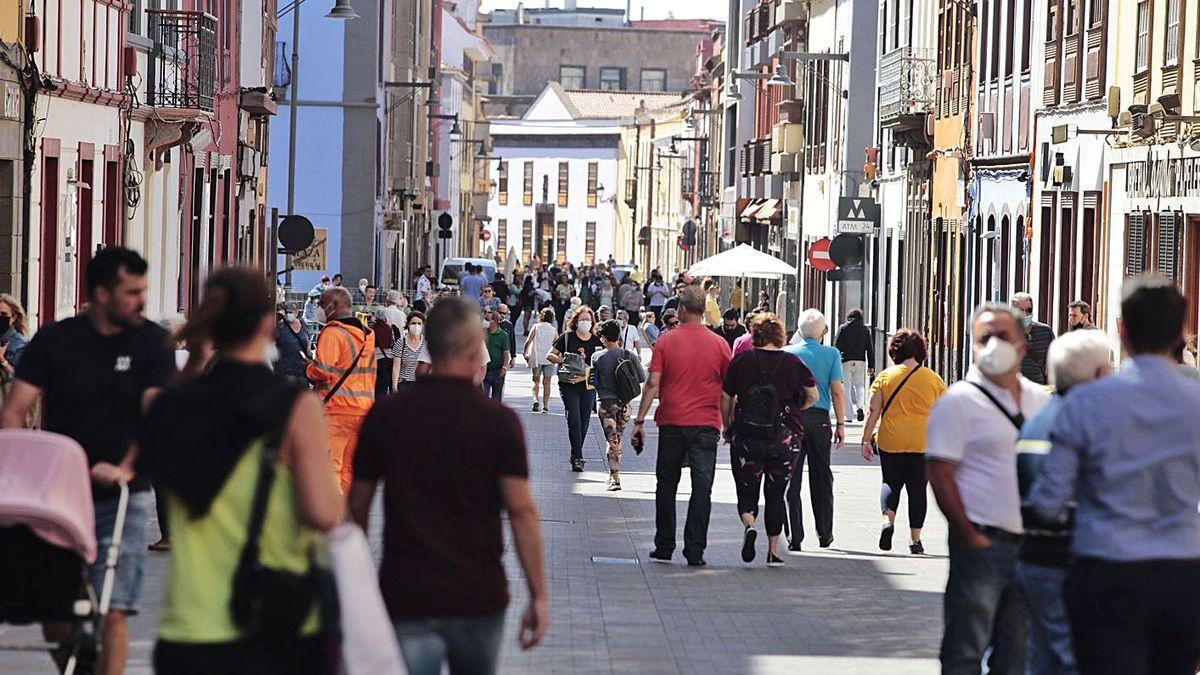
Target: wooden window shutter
1168, 245
1135, 244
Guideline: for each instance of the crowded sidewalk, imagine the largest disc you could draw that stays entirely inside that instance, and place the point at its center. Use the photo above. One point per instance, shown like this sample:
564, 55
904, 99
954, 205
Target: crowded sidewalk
848, 609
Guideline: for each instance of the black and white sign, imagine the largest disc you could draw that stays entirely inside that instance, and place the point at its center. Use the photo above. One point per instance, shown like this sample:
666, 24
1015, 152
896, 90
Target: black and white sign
858, 215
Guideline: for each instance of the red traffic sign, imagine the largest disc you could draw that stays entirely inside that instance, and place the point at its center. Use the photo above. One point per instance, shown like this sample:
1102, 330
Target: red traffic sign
818, 255
485, 235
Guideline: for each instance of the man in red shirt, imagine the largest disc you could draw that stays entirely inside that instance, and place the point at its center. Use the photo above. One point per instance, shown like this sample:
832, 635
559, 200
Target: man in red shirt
686, 375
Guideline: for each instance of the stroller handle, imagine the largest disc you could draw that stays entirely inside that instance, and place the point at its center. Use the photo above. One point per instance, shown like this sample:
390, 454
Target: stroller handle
114, 549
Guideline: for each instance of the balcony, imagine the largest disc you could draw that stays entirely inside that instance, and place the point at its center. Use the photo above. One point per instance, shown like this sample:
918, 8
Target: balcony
906, 91
183, 61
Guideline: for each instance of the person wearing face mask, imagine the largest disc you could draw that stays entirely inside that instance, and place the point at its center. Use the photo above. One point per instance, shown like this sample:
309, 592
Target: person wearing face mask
13, 339
499, 355
291, 345
971, 450
395, 309
410, 355
1038, 335
572, 351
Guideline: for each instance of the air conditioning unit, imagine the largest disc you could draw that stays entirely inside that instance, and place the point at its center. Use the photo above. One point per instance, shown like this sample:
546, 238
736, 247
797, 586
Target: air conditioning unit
791, 11
787, 137
784, 163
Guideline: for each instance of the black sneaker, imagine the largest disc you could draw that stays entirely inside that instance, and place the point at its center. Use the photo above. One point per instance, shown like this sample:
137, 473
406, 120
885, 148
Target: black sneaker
859, 415
826, 542
885, 537
774, 560
697, 562
536, 406
794, 546
660, 556
748, 544
916, 548
577, 465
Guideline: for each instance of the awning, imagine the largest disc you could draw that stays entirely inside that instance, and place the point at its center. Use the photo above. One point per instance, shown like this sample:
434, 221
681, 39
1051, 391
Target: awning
751, 208
768, 210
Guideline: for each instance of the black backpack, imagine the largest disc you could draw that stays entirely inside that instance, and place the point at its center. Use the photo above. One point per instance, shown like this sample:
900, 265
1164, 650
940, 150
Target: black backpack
760, 412
625, 377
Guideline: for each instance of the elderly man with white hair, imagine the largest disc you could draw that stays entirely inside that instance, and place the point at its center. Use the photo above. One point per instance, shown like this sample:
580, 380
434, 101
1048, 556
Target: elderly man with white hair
826, 365
1073, 359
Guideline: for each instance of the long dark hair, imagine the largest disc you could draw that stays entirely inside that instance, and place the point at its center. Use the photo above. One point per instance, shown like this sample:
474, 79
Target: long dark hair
235, 301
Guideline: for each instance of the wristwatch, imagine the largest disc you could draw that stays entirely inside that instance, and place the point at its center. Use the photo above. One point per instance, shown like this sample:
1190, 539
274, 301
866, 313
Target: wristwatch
637, 422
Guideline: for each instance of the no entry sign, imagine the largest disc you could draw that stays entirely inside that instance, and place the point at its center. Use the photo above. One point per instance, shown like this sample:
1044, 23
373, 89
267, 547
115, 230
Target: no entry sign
818, 255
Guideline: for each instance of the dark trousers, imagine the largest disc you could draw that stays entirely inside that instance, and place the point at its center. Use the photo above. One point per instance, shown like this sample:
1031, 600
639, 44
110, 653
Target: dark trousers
383, 378
816, 448
579, 401
160, 510
698, 446
752, 460
493, 384
293, 657
1135, 618
904, 470
983, 607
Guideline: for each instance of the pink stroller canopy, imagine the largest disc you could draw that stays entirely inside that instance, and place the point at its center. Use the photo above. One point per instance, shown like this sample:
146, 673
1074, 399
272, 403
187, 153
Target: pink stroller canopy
45, 484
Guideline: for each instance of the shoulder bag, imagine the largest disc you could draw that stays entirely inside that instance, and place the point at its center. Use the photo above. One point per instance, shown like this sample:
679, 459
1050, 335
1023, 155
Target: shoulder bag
1017, 420
342, 379
888, 404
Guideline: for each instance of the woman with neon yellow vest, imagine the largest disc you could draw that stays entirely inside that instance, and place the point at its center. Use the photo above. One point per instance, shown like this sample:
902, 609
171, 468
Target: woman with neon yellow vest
206, 442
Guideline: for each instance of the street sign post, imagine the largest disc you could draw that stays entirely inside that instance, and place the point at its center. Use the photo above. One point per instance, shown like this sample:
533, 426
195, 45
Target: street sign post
858, 215
818, 255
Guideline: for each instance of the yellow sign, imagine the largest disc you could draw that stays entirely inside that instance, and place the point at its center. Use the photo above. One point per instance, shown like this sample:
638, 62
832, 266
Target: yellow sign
312, 259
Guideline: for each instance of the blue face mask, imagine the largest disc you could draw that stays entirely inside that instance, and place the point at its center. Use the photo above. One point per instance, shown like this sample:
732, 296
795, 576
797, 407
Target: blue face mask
1027, 321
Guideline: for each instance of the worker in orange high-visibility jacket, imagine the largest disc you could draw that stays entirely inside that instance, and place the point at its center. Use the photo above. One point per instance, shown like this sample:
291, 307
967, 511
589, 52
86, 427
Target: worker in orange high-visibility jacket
344, 346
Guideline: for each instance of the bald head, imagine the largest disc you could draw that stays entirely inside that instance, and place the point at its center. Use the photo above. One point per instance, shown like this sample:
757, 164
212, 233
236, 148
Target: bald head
336, 302
453, 332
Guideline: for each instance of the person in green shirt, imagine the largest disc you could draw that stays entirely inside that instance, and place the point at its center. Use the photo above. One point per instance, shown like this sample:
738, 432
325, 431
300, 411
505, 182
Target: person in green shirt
499, 356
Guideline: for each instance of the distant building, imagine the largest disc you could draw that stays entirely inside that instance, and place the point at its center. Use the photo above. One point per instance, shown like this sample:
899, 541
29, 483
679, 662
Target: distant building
585, 48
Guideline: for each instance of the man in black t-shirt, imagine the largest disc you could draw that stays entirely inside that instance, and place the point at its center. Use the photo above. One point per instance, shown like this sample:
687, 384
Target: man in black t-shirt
453, 461
730, 329
96, 373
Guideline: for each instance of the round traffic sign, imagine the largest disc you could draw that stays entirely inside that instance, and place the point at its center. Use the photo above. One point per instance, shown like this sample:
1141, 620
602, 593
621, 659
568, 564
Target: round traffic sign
295, 233
846, 250
445, 221
818, 255
486, 235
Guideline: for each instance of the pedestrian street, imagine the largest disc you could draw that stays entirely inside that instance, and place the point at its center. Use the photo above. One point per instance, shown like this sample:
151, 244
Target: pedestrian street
851, 609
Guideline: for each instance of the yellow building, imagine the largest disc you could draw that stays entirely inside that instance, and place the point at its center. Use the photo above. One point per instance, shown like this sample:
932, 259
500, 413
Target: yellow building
650, 204
12, 20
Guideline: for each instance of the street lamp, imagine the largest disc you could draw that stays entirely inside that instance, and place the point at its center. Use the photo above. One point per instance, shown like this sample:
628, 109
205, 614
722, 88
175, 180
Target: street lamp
341, 11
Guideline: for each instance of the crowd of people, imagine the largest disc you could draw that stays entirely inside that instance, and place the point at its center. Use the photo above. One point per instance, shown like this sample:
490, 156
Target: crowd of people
1074, 529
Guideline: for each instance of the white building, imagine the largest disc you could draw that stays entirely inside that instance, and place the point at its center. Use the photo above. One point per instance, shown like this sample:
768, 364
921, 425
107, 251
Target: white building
556, 174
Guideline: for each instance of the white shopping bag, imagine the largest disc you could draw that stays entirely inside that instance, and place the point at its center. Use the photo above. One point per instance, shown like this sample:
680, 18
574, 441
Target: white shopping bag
368, 640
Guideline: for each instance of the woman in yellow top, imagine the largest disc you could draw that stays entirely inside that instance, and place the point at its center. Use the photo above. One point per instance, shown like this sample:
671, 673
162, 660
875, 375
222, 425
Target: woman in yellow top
205, 442
907, 390
712, 310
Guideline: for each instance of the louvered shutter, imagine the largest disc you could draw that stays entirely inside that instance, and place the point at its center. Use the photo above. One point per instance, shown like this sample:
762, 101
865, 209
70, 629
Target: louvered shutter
1135, 244
1168, 245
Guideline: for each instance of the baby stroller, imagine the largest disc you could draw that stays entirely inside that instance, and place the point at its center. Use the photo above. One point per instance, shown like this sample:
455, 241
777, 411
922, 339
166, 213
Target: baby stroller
48, 535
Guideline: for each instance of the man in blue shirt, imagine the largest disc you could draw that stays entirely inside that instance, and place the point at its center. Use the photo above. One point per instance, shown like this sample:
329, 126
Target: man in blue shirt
826, 366
1042, 561
472, 283
1126, 451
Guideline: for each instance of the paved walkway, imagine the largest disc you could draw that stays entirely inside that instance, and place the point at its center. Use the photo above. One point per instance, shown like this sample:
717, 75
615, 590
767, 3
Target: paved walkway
849, 609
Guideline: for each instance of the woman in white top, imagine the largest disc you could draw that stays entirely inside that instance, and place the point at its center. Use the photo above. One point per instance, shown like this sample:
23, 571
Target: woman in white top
537, 345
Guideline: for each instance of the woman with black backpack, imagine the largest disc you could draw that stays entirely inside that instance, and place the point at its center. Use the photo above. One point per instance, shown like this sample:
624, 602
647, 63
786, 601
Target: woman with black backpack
765, 389
619, 375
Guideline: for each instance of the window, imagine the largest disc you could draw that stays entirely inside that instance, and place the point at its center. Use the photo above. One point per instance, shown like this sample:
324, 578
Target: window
1142, 50
589, 251
1171, 37
1052, 34
497, 79
1072, 17
564, 183
612, 78
995, 37
571, 77
502, 182
654, 79
1010, 37
527, 195
984, 18
1095, 12
502, 238
1026, 36
593, 183
527, 240
135, 17
560, 241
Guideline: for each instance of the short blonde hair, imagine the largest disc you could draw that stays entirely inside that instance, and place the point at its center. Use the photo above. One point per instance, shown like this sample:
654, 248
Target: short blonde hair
1075, 358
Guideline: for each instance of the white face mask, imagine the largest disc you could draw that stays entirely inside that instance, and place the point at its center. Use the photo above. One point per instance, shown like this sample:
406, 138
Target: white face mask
997, 357
584, 325
487, 325
416, 329
290, 316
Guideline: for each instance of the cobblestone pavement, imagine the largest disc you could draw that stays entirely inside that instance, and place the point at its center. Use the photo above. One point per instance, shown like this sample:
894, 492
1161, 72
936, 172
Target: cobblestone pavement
848, 609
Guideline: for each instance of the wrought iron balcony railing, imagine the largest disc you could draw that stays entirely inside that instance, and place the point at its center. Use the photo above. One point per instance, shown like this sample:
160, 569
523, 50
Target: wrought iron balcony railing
906, 83
183, 61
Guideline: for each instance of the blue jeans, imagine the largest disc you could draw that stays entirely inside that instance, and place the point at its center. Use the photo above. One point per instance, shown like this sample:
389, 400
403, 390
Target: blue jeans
493, 384
984, 608
1050, 650
131, 561
579, 401
470, 645
698, 445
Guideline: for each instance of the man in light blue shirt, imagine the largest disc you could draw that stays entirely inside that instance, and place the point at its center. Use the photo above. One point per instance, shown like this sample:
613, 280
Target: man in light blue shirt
826, 366
1125, 450
472, 283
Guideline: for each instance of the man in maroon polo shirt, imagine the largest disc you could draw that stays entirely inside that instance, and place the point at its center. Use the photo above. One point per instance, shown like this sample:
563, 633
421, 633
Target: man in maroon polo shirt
451, 460
686, 375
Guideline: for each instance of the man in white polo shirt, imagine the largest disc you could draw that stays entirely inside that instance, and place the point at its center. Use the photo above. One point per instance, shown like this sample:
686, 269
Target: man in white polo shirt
971, 447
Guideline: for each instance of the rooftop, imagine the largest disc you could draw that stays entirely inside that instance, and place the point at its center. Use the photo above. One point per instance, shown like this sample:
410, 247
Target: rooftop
610, 103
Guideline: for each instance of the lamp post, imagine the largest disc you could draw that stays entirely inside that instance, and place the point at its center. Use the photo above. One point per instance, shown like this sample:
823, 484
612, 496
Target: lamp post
342, 11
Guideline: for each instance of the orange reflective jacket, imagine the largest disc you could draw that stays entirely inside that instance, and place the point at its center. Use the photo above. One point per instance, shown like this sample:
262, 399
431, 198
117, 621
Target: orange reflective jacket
337, 346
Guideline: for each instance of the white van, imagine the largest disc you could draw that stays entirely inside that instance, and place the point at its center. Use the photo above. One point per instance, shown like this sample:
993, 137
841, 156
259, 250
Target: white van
452, 269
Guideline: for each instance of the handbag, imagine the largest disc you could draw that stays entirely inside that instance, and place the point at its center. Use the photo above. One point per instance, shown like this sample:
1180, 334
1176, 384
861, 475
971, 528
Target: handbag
268, 603
572, 364
888, 404
369, 644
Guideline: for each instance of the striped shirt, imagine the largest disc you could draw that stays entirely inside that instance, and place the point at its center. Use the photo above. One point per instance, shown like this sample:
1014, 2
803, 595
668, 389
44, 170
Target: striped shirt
409, 358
